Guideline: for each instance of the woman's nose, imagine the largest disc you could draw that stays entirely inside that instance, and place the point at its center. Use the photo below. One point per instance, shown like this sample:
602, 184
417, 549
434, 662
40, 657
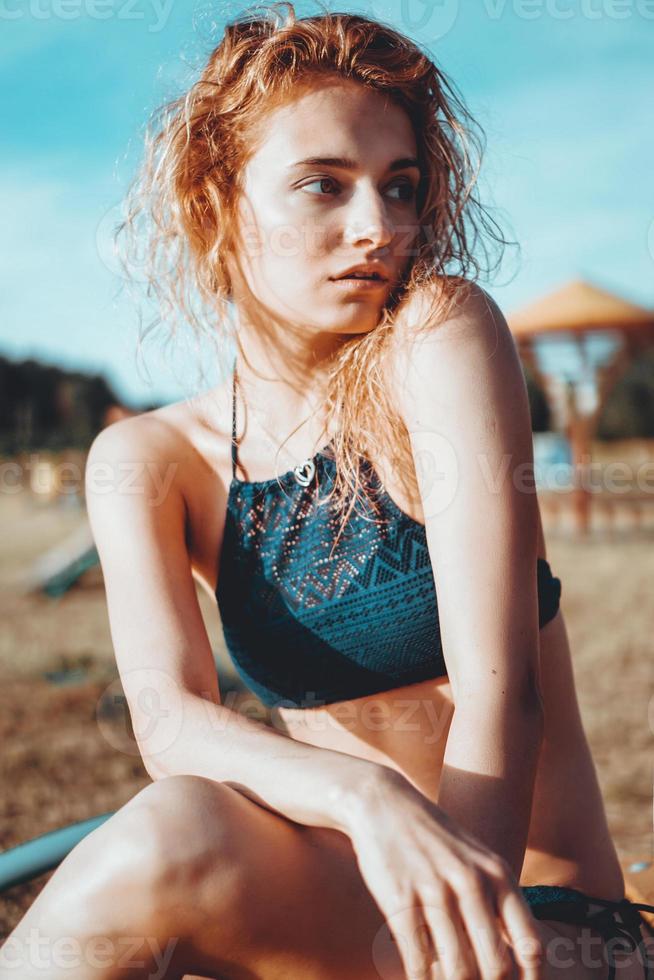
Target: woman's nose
367, 217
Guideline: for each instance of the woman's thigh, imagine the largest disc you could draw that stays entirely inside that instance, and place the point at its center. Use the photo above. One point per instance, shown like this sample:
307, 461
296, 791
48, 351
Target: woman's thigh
301, 908
580, 953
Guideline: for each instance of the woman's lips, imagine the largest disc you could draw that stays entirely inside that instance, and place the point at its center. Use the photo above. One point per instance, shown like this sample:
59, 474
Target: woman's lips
360, 285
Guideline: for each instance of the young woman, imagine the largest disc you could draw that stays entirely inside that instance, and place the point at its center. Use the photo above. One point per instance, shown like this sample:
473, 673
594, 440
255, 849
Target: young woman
424, 803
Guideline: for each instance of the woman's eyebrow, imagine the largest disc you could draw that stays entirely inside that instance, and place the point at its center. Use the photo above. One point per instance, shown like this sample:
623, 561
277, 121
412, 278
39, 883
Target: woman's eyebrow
345, 163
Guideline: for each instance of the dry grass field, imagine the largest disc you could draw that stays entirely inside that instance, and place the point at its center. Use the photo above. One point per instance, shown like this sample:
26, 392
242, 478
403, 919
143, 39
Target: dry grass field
65, 748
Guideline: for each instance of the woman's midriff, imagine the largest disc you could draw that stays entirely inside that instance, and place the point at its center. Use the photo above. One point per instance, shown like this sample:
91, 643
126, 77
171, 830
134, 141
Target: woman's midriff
406, 728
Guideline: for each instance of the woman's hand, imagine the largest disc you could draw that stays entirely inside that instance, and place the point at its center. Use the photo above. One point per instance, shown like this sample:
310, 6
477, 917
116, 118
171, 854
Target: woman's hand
453, 907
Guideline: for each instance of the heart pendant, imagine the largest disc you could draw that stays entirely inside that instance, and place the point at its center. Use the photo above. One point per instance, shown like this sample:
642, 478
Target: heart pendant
304, 472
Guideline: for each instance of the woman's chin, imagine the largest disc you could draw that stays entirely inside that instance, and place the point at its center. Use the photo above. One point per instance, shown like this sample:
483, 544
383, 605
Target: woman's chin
362, 320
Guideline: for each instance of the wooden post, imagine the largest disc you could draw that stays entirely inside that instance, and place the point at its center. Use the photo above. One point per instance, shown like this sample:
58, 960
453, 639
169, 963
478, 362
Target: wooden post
580, 448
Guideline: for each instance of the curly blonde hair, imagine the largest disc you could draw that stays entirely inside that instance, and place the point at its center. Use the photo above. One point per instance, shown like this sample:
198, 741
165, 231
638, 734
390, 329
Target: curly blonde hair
186, 191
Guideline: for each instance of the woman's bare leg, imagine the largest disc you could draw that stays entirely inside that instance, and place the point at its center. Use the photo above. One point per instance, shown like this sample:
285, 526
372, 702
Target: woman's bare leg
109, 909
211, 884
208, 883
303, 911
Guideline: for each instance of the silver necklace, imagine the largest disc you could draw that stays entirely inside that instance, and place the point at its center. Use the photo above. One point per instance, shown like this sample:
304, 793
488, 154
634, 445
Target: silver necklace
303, 472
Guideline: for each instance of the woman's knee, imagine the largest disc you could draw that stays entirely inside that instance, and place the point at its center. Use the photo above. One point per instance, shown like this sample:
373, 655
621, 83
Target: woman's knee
160, 845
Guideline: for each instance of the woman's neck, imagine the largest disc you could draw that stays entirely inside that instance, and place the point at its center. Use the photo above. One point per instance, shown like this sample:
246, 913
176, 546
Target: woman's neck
283, 388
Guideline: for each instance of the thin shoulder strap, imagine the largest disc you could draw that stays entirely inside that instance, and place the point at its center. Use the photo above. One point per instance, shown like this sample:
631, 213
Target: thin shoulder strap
234, 450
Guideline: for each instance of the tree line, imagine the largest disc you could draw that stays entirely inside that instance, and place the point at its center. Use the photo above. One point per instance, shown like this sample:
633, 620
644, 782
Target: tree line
47, 407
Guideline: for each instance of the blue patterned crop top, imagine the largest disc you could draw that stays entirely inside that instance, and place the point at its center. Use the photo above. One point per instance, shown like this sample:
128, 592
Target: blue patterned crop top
305, 629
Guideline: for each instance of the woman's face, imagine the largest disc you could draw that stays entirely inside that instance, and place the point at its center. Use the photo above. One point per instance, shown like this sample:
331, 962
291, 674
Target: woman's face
302, 224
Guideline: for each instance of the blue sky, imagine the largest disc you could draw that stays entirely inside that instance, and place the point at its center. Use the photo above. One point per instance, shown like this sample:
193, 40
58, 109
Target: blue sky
562, 88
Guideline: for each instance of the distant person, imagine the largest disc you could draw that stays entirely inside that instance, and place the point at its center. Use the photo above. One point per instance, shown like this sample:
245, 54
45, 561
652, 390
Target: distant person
115, 413
425, 802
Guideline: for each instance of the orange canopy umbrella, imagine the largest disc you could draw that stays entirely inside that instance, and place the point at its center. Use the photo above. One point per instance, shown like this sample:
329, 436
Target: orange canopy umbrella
573, 314
579, 307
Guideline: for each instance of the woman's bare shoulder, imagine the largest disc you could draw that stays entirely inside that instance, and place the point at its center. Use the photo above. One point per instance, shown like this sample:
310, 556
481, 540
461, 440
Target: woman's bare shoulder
153, 435
169, 430
469, 329
423, 314
474, 315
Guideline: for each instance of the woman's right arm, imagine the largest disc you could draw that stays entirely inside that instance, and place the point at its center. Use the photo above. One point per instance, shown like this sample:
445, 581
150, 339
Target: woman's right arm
137, 511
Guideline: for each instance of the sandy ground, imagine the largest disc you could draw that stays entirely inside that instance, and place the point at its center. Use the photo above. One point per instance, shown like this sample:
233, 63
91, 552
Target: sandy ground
67, 751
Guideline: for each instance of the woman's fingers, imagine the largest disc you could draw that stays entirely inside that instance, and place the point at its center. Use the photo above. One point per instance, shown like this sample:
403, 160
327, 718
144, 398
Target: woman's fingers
522, 929
453, 953
478, 911
411, 937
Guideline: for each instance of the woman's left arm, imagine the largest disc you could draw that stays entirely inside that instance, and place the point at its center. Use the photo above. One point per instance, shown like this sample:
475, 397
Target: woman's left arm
463, 398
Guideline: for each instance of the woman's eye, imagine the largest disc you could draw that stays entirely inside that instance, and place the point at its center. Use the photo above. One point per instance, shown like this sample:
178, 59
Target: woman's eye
319, 180
405, 186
